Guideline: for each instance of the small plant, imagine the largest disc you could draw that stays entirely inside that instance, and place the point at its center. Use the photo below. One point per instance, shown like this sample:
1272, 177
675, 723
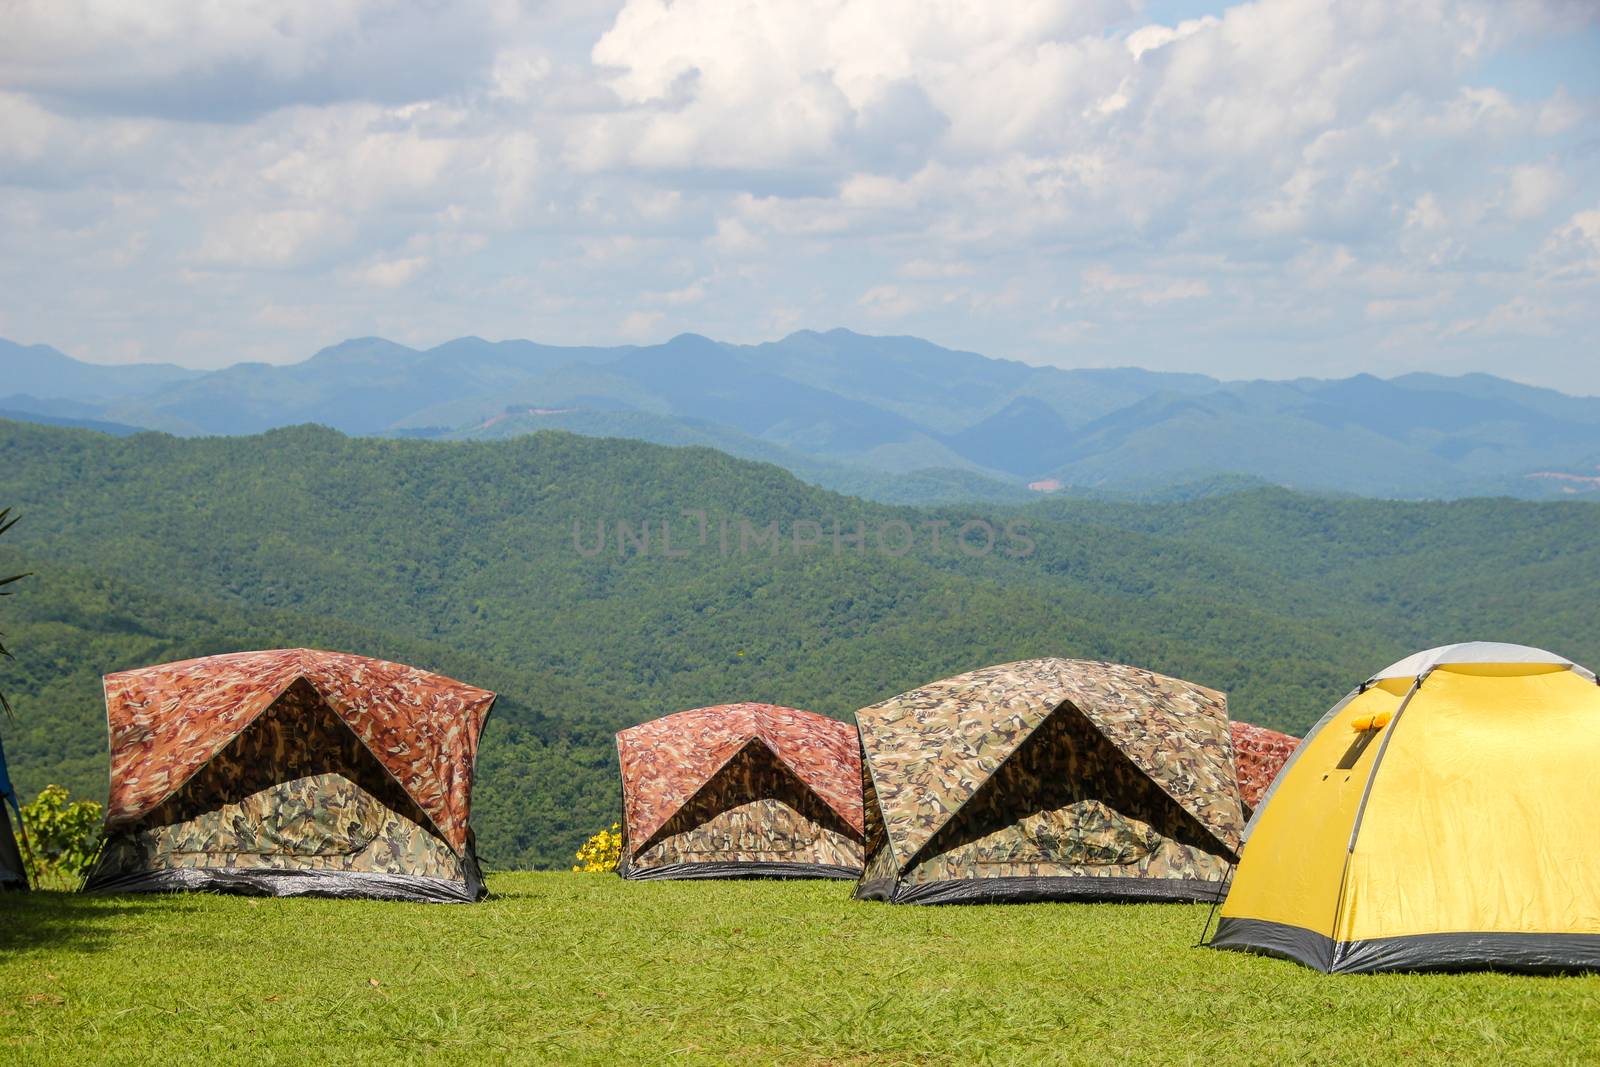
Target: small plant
601, 852
62, 835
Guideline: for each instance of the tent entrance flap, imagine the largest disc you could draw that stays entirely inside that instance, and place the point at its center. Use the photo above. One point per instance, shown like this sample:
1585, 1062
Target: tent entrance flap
1067, 804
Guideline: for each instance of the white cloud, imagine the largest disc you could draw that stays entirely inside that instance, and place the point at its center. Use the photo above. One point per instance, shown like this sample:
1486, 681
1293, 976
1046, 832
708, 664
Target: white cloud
935, 270
1572, 250
803, 79
393, 273
518, 73
689, 294
887, 302
1279, 186
1426, 214
733, 237
1144, 289
1561, 113
184, 59
1533, 190
24, 128
270, 239
1517, 317
641, 326
1407, 309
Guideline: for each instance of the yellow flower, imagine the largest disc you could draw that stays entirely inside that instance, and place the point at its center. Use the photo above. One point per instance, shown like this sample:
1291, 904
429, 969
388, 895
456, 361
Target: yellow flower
601, 852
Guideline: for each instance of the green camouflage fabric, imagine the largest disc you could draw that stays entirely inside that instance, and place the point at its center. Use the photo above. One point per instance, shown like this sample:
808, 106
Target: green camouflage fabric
753, 810
296, 790
1166, 797
1069, 803
879, 864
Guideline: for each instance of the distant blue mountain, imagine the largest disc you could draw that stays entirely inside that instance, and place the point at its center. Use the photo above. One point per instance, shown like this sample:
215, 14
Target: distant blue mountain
896, 418
1024, 438
41, 371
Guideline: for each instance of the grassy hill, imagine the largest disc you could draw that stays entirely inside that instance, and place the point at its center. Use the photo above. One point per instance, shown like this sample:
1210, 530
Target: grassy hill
461, 557
579, 969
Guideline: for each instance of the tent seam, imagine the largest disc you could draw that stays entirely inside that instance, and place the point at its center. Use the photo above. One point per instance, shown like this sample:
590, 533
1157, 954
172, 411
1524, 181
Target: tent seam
877, 800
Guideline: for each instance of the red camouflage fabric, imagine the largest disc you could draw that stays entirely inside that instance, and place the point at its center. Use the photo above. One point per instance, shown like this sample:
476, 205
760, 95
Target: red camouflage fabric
1258, 755
169, 721
665, 761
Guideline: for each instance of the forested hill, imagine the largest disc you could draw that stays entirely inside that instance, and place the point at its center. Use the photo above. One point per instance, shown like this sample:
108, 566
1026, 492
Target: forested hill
487, 561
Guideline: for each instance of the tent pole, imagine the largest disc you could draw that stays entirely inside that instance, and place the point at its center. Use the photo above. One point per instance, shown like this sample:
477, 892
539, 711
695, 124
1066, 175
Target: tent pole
1216, 901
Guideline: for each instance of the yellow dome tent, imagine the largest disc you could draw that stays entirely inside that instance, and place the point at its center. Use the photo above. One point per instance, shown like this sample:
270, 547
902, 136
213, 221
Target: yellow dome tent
1442, 816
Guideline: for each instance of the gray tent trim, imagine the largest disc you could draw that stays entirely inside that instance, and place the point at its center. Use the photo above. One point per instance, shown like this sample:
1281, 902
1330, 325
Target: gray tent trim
739, 869
1527, 953
291, 883
1028, 890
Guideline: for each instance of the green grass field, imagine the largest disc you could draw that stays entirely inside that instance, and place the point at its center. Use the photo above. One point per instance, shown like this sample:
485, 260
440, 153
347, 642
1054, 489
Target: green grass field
567, 968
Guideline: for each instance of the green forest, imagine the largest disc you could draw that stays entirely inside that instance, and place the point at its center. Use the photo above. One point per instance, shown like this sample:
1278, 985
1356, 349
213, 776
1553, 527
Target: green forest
502, 564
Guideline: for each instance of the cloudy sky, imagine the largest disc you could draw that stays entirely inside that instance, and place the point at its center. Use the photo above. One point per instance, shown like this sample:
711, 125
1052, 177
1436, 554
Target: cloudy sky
1276, 188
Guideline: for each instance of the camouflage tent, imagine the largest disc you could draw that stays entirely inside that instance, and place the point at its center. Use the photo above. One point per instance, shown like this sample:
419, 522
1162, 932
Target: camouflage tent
739, 791
1049, 779
1258, 755
292, 772
13, 875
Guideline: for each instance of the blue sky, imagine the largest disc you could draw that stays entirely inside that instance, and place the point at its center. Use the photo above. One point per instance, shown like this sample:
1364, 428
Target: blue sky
1272, 189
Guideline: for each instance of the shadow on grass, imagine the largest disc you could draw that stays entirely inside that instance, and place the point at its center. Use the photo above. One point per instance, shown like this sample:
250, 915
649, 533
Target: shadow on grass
71, 921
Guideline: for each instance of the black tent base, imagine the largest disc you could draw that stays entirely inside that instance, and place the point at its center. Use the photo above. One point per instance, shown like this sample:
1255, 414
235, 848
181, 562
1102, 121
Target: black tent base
754, 869
1030, 890
280, 883
1526, 953
13, 875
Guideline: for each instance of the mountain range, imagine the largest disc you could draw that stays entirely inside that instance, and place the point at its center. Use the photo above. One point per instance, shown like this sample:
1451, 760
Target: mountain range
896, 419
